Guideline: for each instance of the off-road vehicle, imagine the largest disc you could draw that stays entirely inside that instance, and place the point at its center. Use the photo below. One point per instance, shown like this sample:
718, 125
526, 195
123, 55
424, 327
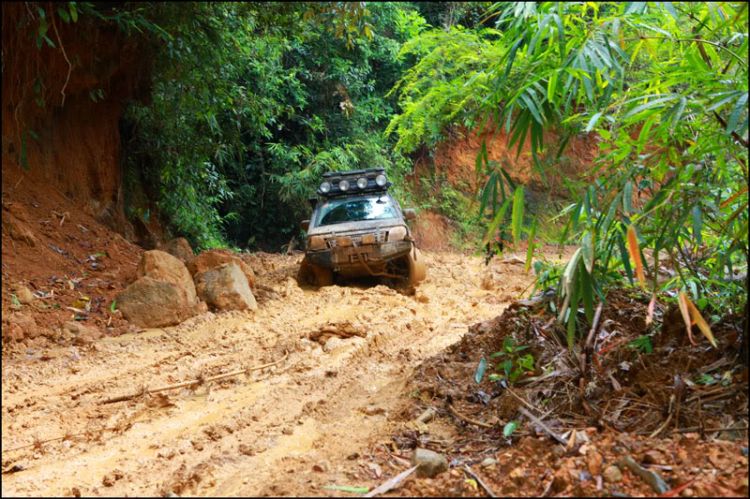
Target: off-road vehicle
358, 229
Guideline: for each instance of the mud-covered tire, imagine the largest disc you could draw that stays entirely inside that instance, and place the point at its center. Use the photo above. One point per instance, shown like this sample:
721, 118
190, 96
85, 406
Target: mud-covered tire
417, 268
313, 275
323, 276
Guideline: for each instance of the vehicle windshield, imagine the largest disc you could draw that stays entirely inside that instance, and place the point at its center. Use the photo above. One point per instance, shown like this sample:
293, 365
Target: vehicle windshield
355, 209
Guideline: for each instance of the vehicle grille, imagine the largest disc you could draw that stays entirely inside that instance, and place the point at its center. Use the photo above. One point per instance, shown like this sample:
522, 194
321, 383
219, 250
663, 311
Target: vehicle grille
380, 237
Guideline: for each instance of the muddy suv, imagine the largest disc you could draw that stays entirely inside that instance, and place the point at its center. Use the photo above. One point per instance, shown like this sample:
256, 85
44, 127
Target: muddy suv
358, 229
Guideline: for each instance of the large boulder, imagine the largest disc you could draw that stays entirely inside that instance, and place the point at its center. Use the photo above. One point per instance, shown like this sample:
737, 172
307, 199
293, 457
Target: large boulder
162, 266
17, 326
149, 302
16, 224
179, 248
212, 259
225, 288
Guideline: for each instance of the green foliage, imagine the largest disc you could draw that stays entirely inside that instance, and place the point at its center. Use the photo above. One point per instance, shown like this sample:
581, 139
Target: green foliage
479, 374
509, 428
513, 363
664, 85
249, 110
642, 344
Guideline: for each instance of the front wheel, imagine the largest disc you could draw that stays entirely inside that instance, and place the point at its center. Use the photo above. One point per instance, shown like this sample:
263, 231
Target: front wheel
417, 268
314, 275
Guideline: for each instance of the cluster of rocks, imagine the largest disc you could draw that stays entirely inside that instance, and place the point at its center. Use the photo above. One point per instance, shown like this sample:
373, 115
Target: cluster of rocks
172, 284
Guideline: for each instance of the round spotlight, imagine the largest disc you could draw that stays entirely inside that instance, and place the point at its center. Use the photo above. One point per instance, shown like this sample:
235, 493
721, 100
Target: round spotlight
344, 185
362, 183
325, 187
380, 180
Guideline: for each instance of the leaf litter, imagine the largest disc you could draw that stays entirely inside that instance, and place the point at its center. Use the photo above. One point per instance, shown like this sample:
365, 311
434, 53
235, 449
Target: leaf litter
605, 415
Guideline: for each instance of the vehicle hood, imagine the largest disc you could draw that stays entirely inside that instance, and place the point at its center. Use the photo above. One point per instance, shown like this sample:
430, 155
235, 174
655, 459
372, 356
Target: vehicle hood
356, 227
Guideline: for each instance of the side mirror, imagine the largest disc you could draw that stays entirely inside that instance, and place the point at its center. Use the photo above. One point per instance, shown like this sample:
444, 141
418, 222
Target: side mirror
304, 225
410, 214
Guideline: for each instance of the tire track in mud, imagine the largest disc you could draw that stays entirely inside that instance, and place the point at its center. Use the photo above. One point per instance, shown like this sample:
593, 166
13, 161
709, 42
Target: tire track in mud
285, 430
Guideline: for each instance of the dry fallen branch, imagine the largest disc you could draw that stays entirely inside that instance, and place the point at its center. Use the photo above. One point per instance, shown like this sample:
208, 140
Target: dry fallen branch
391, 484
543, 426
194, 382
479, 480
92, 434
468, 419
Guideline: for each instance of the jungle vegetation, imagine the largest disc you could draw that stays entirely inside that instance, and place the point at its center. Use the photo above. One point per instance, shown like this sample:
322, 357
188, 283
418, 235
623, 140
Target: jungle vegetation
251, 103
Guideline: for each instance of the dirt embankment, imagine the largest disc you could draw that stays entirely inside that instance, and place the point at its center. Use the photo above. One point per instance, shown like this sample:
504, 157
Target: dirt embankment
456, 159
61, 109
454, 162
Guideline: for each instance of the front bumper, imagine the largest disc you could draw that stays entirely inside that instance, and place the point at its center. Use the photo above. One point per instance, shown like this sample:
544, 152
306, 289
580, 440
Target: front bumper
350, 258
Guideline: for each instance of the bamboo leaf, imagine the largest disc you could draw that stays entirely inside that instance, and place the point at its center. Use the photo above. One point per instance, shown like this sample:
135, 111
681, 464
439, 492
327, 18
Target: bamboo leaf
551, 85
593, 121
530, 251
627, 198
651, 307
479, 374
625, 259
587, 291
517, 217
346, 488
697, 224
509, 428
682, 301
588, 251
495, 223
736, 112
700, 322
63, 15
635, 254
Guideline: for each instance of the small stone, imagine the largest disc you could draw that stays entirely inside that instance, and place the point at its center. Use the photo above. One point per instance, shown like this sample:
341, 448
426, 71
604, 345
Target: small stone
489, 462
594, 462
287, 431
653, 457
612, 474
584, 475
559, 481
246, 450
687, 493
75, 492
430, 464
321, 467
518, 475
744, 451
24, 294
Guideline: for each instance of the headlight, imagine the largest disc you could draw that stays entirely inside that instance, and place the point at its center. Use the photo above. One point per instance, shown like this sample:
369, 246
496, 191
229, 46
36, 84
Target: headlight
397, 233
316, 243
362, 183
325, 187
344, 185
380, 180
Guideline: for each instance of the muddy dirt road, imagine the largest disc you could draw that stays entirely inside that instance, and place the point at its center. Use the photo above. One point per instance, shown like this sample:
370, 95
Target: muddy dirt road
291, 429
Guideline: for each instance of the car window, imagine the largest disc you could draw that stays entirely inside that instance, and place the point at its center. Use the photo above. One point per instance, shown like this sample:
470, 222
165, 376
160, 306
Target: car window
356, 209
